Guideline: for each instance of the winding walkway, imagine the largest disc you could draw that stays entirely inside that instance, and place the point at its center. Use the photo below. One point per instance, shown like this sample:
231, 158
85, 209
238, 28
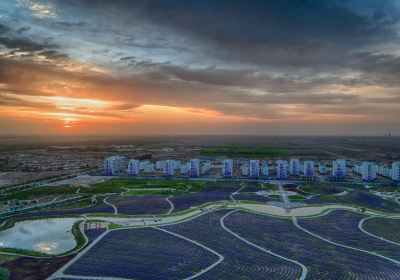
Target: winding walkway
360, 226
295, 222
110, 204
172, 205
303, 267
60, 273
221, 257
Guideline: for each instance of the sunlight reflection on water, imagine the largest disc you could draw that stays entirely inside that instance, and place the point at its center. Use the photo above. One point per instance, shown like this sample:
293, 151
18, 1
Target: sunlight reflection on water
52, 236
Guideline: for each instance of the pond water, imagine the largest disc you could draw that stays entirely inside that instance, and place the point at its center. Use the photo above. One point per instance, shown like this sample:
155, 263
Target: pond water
51, 236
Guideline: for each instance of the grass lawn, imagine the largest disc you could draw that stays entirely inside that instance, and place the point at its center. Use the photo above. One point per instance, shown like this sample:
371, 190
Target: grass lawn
296, 198
40, 192
274, 197
181, 186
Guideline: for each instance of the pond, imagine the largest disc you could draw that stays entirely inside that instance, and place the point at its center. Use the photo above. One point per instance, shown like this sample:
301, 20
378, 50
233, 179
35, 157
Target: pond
51, 236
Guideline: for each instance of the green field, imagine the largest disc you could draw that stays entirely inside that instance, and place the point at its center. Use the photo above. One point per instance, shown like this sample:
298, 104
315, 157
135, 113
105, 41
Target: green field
296, 198
236, 151
144, 186
275, 197
39, 192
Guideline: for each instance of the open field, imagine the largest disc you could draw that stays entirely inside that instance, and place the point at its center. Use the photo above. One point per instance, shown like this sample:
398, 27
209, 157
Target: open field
236, 151
359, 198
236, 244
140, 205
388, 229
341, 226
323, 260
173, 258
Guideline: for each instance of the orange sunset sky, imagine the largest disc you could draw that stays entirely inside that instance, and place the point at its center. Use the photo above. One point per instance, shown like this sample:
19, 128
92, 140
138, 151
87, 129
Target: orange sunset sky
194, 67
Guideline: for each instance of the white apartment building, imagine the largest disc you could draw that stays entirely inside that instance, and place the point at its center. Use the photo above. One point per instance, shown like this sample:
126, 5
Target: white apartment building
281, 169
309, 168
134, 167
339, 168
265, 169
245, 169
176, 164
194, 167
146, 166
205, 167
294, 167
113, 165
396, 171
159, 165
254, 166
384, 170
368, 171
169, 167
322, 169
227, 168
184, 168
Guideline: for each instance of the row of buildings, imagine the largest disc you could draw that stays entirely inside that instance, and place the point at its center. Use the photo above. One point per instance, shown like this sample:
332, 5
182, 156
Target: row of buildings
253, 168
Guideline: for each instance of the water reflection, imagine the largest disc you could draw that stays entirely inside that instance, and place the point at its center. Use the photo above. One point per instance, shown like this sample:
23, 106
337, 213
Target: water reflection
52, 236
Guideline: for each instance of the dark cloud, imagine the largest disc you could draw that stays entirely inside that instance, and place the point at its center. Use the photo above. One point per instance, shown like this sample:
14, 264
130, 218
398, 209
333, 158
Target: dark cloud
24, 44
52, 54
71, 24
287, 33
23, 29
3, 29
127, 58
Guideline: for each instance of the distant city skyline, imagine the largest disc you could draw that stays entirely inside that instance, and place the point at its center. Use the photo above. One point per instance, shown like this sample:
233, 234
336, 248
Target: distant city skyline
200, 67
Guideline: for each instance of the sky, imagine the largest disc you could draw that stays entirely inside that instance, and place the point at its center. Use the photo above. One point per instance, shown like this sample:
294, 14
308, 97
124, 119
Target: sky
284, 67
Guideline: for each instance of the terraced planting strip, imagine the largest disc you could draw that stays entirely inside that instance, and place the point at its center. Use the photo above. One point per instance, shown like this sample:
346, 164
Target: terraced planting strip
382, 227
304, 269
221, 257
139, 254
324, 260
140, 205
241, 260
342, 227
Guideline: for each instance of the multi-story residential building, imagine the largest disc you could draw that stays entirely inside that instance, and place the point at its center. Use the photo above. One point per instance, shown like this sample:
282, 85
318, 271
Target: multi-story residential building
113, 165
322, 169
134, 167
339, 168
176, 164
205, 167
265, 169
294, 167
160, 165
184, 168
254, 171
281, 169
194, 168
169, 167
146, 166
368, 171
396, 171
245, 169
227, 168
384, 170
309, 168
